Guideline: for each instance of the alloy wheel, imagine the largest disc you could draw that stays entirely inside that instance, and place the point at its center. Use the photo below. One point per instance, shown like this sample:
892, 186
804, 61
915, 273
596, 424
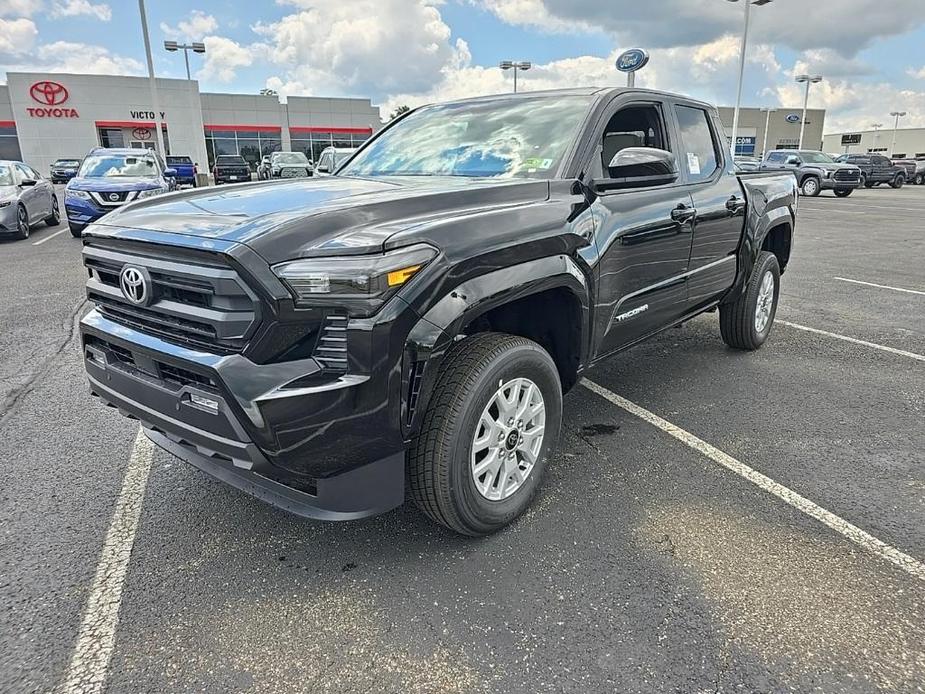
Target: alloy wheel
765, 302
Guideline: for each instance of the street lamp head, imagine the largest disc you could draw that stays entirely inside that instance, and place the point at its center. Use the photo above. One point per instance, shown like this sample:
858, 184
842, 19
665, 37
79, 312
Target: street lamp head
808, 78
199, 47
506, 64
767, 109
171, 45
898, 114
524, 65
757, 3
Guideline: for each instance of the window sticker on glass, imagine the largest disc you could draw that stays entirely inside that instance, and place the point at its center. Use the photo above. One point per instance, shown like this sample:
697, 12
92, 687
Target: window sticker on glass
693, 164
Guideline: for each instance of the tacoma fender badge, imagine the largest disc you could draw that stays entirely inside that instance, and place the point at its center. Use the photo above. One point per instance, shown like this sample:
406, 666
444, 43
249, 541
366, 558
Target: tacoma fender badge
630, 314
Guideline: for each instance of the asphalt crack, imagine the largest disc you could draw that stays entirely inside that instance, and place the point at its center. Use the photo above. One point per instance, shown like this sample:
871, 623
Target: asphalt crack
12, 400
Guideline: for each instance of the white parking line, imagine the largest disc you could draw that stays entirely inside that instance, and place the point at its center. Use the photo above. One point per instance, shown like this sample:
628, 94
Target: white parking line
90, 660
880, 286
861, 205
854, 340
49, 237
840, 525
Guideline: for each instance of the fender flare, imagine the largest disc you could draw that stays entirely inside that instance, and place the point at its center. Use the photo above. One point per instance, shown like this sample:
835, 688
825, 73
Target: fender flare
437, 329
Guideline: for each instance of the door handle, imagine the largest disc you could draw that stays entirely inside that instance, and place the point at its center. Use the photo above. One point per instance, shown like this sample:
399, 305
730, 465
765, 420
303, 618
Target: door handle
735, 204
683, 213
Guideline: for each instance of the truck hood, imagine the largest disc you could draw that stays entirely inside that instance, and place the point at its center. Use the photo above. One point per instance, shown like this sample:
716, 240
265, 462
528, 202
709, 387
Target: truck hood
834, 166
320, 216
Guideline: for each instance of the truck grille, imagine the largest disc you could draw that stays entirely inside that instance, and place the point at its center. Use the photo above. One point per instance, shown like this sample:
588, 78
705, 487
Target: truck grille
195, 302
847, 175
293, 173
174, 375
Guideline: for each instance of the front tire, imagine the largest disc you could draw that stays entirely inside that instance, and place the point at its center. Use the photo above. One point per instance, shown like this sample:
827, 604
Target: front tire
898, 182
747, 322
843, 193
919, 179
810, 187
22, 223
491, 425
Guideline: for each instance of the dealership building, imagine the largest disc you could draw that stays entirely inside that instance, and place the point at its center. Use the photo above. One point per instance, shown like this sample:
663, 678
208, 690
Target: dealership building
910, 142
44, 117
782, 128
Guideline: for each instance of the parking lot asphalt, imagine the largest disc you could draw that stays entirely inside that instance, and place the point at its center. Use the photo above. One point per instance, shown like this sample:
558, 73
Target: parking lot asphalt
643, 566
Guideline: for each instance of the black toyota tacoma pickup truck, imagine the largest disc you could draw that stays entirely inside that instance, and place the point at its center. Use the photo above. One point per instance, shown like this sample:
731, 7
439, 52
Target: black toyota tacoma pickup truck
410, 324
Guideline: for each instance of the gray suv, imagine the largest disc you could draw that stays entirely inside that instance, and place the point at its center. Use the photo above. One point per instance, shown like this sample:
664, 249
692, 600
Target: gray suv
815, 171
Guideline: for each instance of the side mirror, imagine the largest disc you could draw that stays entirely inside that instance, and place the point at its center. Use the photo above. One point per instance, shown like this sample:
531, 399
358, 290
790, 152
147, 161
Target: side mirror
170, 173
28, 182
637, 167
793, 161
323, 168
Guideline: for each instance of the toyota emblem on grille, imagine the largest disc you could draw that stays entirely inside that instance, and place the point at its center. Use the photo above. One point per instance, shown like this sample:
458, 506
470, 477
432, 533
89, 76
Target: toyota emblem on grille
114, 197
135, 285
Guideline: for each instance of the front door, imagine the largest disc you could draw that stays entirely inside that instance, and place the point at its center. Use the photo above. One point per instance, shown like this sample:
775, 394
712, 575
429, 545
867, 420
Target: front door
643, 235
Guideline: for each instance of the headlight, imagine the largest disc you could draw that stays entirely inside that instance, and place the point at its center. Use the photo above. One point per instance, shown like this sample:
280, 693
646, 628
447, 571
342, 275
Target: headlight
76, 194
361, 284
150, 193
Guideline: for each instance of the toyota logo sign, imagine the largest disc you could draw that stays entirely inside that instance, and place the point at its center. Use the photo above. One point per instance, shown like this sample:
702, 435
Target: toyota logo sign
51, 95
135, 284
48, 93
141, 134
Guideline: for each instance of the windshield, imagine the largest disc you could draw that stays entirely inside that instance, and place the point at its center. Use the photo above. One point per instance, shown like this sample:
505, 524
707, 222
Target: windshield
289, 158
67, 162
816, 158
6, 175
118, 166
523, 137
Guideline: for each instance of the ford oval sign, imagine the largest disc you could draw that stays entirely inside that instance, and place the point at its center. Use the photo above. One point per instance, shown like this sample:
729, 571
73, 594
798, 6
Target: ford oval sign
793, 118
632, 60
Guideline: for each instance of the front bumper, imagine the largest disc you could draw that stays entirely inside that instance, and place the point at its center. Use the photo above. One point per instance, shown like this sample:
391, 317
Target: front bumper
82, 212
319, 452
832, 184
9, 221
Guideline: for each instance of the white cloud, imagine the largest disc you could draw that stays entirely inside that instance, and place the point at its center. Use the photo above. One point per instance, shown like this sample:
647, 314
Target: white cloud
224, 56
17, 36
198, 25
848, 28
68, 56
19, 8
360, 46
75, 8
918, 74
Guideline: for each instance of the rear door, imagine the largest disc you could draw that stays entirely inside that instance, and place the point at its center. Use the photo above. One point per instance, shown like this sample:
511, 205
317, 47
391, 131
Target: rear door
643, 235
717, 198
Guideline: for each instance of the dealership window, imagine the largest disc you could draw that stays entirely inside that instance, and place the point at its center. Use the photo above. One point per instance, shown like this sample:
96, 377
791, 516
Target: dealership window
314, 143
9, 144
250, 144
111, 137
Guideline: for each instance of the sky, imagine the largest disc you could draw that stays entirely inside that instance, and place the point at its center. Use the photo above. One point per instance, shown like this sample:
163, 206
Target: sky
407, 52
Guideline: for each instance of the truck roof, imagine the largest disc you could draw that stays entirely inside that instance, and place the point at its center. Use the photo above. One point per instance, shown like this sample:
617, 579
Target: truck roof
600, 92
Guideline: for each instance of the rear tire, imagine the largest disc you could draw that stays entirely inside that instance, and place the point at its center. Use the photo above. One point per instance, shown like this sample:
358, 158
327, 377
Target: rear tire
919, 179
843, 193
898, 182
54, 219
465, 425
810, 187
747, 322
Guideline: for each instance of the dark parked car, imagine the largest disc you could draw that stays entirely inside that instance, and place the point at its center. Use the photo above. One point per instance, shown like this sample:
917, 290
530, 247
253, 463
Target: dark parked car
230, 168
284, 165
25, 199
111, 177
419, 315
63, 170
814, 171
913, 169
185, 168
876, 169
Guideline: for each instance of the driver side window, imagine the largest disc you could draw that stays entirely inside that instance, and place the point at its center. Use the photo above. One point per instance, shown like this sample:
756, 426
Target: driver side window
633, 126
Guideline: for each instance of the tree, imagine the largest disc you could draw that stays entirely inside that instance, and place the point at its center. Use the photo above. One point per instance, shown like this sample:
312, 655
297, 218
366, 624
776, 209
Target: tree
400, 111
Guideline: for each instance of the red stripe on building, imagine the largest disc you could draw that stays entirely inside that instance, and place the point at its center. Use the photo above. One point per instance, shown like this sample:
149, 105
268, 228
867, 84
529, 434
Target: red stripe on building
126, 124
321, 129
251, 128
7, 124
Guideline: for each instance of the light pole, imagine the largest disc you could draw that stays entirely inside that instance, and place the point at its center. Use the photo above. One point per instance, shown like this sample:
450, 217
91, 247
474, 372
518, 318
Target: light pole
808, 80
767, 126
515, 66
195, 46
876, 127
735, 115
151, 81
897, 115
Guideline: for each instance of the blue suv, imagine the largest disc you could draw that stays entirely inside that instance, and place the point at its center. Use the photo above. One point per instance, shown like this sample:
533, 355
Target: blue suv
110, 178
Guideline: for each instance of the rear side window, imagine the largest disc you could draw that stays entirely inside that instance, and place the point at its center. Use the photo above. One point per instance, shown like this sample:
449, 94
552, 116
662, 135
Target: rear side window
698, 150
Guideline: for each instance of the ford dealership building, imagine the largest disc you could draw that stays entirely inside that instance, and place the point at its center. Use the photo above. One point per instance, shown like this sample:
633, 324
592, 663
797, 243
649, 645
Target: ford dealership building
44, 117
